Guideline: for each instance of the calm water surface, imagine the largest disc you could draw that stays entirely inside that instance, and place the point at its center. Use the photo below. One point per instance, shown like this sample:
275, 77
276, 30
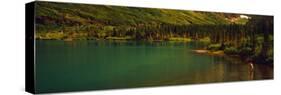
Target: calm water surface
89, 65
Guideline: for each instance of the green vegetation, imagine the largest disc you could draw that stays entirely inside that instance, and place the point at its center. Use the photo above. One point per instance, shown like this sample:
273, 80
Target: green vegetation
214, 47
110, 22
231, 51
179, 39
251, 39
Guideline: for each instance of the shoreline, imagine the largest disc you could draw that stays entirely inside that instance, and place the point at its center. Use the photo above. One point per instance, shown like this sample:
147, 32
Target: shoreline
178, 39
208, 52
221, 53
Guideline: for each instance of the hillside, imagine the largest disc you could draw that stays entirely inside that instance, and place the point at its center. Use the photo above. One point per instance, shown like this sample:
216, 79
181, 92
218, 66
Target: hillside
84, 21
72, 14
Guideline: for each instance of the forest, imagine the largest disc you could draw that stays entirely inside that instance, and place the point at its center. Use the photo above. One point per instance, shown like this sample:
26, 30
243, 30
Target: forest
248, 36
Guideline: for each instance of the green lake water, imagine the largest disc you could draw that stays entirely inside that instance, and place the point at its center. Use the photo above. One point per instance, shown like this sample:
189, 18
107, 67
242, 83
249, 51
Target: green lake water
93, 65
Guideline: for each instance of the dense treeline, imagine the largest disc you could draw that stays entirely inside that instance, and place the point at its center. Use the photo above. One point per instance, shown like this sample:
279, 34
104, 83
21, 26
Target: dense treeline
154, 32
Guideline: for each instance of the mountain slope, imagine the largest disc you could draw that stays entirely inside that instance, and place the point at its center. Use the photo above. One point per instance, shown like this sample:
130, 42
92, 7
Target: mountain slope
48, 13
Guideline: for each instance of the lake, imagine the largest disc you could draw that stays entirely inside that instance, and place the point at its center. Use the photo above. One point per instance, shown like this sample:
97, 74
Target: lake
94, 65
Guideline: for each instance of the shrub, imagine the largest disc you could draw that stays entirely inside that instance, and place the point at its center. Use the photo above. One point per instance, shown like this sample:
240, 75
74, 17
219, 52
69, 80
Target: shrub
214, 47
205, 40
246, 51
231, 51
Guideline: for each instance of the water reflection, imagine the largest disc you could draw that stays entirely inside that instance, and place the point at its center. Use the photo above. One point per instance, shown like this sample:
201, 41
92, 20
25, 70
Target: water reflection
117, 43
81, 65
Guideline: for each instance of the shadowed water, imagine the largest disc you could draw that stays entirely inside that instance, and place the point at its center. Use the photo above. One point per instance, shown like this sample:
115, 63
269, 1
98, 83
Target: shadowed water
90, 65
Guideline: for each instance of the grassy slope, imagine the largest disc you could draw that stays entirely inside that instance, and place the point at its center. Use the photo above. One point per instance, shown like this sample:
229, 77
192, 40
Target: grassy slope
99, 14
